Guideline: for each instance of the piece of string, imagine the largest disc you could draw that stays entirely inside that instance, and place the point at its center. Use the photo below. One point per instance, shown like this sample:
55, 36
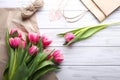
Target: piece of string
75, 18
62, 5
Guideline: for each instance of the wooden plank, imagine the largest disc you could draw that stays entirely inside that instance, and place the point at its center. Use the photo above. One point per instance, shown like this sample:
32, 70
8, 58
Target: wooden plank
89, 73
106, 37
49, 5
88, 19
90, 55
72, 4
10, 3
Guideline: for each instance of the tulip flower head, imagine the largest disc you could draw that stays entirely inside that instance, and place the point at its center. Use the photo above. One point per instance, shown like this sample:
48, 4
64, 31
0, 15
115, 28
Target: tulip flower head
33, 37
69, 36
23, 44
46, 41
58, 56
14, 42
15, 33
33, 50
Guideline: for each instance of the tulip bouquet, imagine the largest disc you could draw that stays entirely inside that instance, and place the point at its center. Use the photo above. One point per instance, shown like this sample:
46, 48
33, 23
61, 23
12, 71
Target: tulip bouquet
28, 58
83, 33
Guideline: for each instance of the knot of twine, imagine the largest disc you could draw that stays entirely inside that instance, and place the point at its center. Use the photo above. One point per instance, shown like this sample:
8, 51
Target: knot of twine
28, 11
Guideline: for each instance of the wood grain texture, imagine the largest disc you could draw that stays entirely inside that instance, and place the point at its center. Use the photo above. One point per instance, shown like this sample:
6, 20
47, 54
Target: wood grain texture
88, 19
96, 58
89, 73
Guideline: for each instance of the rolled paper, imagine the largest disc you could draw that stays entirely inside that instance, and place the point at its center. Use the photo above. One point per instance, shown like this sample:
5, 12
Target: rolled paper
28, 11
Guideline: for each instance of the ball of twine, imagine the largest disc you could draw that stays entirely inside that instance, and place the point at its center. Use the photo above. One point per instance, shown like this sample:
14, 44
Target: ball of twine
28, 11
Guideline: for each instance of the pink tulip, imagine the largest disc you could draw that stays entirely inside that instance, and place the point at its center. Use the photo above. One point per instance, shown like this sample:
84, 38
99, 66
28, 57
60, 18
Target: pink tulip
34, 37
33, 49
46, 41
14, 42
15, 31
58, 56
23, 44
69, 36
47, 51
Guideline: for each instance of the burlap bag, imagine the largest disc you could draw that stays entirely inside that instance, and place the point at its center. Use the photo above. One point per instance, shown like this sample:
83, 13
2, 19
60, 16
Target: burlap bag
11, 18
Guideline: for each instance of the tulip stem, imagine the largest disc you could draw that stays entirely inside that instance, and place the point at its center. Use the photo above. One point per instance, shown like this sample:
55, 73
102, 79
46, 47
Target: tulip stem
12, 64
114, 23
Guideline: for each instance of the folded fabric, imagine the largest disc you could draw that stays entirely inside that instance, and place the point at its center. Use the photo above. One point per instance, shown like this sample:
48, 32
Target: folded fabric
101, 8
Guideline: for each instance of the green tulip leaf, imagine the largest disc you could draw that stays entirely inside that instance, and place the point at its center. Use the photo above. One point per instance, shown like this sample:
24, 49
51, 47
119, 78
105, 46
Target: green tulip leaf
21, 52
5, 74
7, 42
72, 31
21, 73
36, 61
44, 64
12, 64
40, 45
43, 71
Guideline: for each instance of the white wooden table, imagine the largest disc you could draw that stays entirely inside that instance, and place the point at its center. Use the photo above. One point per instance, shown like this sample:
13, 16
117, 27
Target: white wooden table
97, 58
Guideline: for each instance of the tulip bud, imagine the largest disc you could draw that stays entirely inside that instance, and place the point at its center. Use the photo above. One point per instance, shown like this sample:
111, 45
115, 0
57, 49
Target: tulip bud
58, 56
69, 36
47, 51
33, 50
34, 37
23, 44
46, 41
14, 42
15, 33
